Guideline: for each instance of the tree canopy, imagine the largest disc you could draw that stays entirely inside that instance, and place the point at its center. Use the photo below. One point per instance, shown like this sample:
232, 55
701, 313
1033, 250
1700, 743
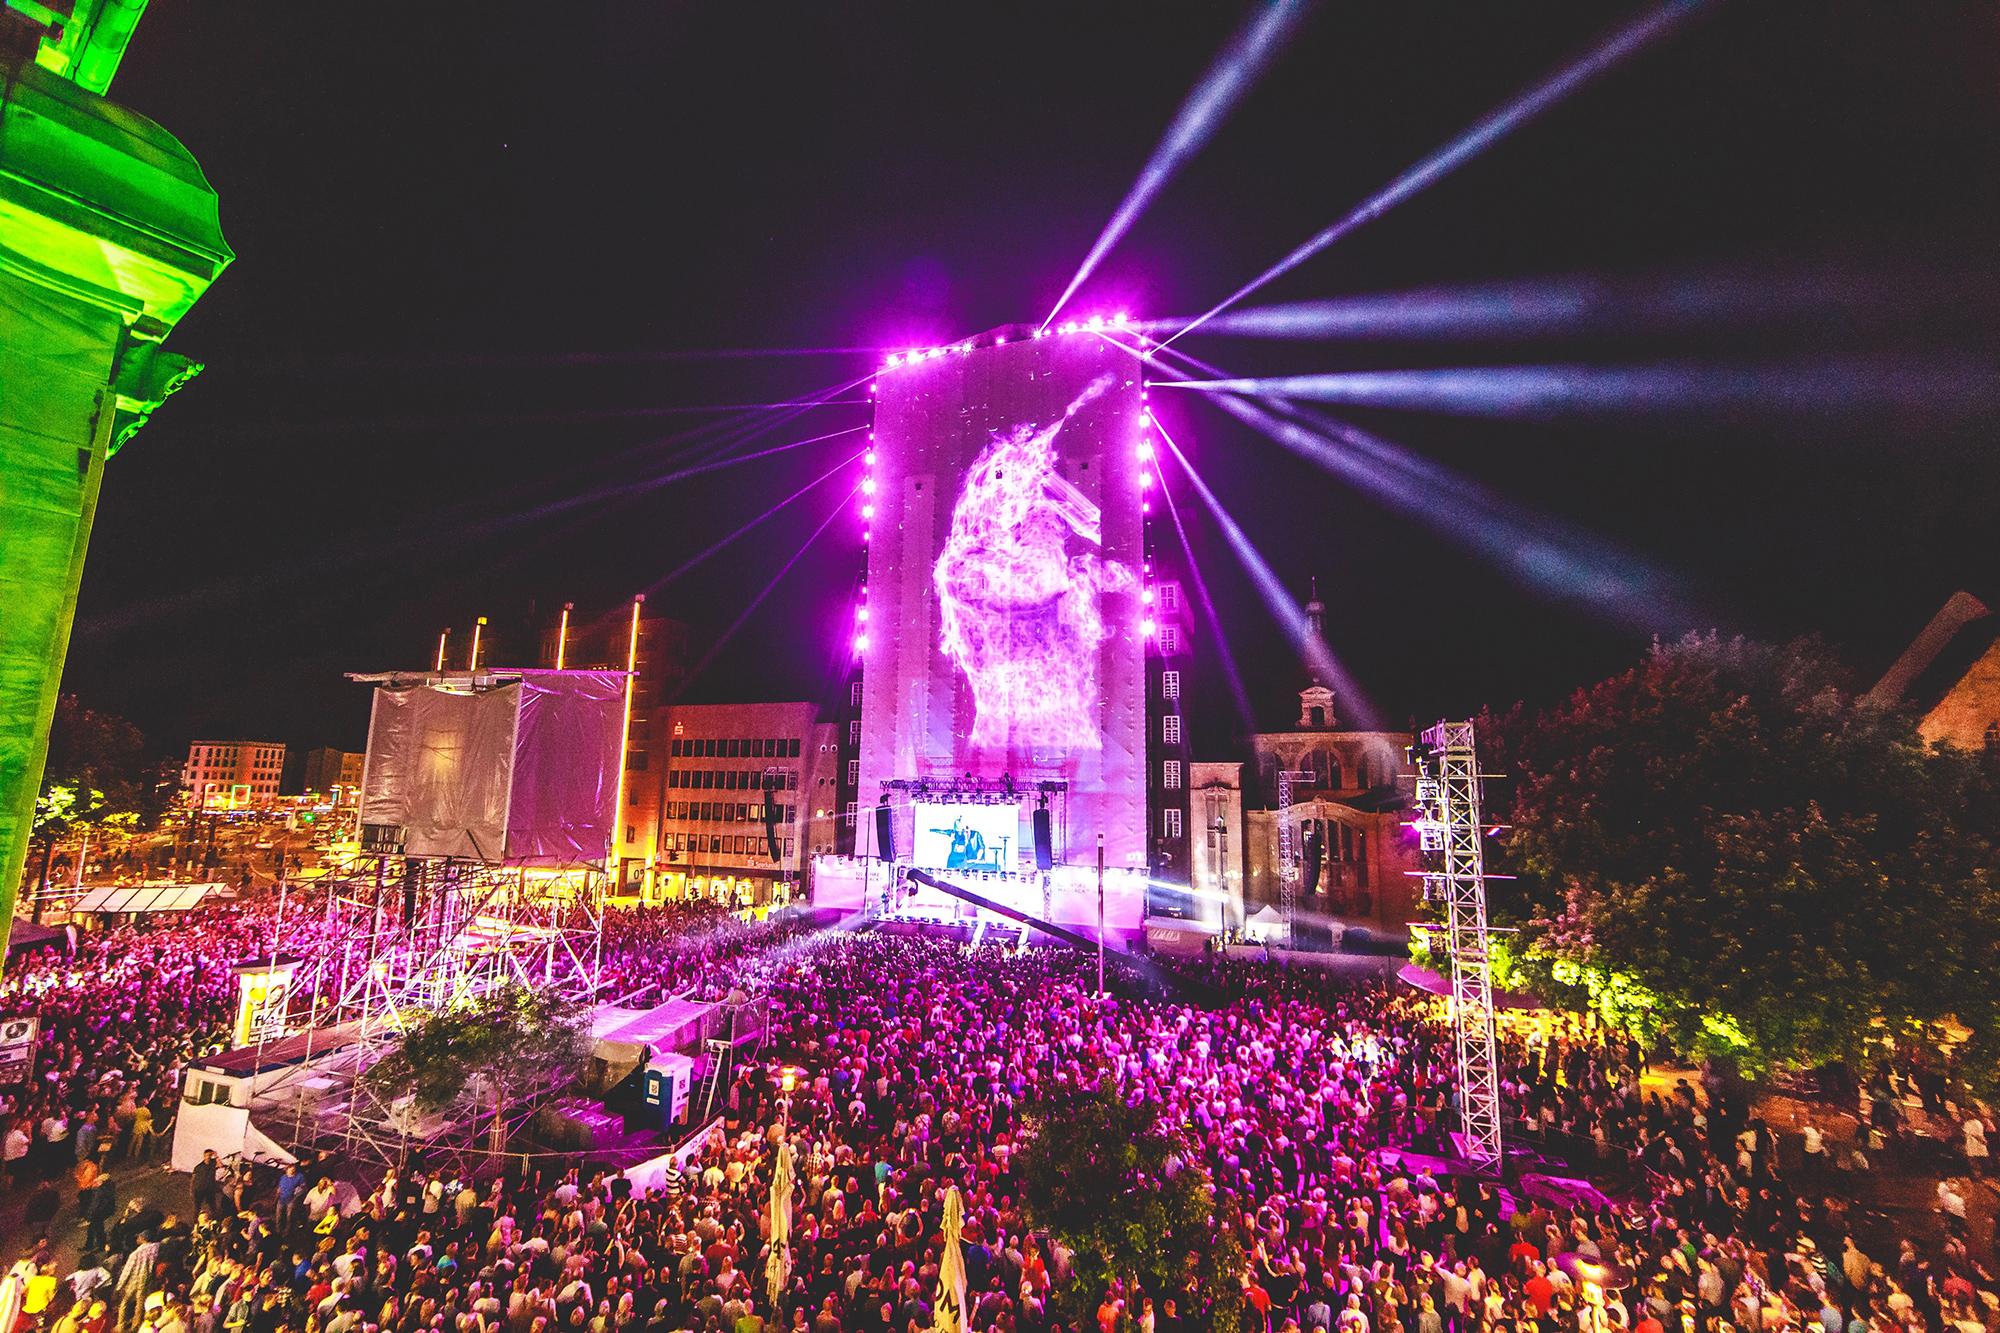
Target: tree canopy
1723, 844
513, 1041
98, 772
1115, 1186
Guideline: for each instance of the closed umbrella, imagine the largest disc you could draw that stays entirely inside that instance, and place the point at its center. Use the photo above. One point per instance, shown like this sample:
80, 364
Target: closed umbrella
949, 1308
778, 1267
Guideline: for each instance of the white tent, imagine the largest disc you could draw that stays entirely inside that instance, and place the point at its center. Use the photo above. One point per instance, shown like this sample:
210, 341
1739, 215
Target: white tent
1264, 924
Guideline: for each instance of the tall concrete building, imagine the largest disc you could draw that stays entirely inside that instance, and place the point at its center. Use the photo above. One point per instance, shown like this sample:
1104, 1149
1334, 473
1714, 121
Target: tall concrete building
748, 794
233, 775
327, 770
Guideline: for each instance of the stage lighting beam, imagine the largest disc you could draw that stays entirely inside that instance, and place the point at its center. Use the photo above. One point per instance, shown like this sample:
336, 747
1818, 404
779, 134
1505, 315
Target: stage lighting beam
1233, 74
1483, 135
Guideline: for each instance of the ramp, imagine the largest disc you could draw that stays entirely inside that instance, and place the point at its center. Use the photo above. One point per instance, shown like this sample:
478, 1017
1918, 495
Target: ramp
1139, 963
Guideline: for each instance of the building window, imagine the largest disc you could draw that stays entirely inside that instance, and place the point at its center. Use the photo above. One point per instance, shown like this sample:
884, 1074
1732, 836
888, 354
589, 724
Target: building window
1171, 775
854, 732
1170, 729
854, 695
1169, 640
849, 815
1170, 822
1170, 598
854, 772
1170, 684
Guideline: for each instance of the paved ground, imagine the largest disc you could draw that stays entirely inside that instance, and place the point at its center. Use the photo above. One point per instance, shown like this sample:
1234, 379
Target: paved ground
162, 1188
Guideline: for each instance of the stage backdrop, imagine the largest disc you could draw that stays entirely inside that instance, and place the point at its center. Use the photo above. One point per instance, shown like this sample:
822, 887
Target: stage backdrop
1004, 583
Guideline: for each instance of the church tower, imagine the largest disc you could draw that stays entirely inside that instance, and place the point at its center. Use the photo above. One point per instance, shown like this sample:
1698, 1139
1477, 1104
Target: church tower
1316, 700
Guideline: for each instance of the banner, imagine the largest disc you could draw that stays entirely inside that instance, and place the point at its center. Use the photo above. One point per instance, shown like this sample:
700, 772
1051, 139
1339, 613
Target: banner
17, 1049
263, 999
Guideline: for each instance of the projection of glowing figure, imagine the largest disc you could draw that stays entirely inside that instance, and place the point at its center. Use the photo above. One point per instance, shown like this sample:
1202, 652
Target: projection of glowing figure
1019, 583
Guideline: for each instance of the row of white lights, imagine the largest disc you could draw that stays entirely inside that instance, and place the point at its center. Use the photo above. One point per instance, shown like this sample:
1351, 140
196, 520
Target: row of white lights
919, 355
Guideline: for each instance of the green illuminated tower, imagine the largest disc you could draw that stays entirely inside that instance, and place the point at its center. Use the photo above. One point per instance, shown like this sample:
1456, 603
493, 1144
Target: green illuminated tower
108, 235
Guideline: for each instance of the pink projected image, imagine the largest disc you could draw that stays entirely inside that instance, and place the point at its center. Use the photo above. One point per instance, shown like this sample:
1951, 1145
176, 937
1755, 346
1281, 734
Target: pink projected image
1020, 580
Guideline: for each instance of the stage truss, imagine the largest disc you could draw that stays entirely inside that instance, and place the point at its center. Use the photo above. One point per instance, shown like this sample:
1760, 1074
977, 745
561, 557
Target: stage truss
1448, 791
1290, 860
394, 938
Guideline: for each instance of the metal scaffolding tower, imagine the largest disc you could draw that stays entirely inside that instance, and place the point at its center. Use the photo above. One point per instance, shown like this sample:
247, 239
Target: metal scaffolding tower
1449, 826
1288, 849
393, 938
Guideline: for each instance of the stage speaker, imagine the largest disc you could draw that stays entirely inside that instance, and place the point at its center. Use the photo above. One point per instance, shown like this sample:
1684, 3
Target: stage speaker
1045, 848
1313, 858
885, 835
770, 817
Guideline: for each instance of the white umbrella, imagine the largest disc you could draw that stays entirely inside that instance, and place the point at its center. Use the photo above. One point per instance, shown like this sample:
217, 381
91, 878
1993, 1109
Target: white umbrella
948, 1311
778, 1268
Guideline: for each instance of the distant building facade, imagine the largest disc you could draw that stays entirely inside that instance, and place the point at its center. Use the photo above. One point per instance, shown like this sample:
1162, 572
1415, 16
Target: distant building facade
1169, 750
232, 775
1950, 676
328, 771
1349, 794
734, 783
1216, 832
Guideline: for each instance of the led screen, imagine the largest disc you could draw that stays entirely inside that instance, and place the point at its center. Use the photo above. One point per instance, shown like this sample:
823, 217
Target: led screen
966, 837
1005, 575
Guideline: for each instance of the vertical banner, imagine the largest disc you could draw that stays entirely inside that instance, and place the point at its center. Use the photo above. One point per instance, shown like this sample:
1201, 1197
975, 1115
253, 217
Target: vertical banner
263, 998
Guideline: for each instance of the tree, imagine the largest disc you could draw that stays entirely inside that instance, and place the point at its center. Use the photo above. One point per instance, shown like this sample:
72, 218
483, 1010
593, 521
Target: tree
1110, 1182
1728, 846
98, 776
498, 1048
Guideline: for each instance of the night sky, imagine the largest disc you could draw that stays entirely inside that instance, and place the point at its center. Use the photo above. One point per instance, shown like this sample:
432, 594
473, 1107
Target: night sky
472, 251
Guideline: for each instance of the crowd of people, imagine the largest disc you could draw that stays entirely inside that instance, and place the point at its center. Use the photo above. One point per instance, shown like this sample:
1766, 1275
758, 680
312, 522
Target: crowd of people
1319, 1108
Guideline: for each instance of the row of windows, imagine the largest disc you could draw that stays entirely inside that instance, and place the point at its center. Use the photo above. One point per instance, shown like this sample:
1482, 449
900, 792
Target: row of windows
729, 779
723, 811
714, 747
723, 844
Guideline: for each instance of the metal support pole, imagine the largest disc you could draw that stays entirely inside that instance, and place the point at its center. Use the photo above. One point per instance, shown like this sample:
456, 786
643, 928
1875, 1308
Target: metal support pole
1100, 916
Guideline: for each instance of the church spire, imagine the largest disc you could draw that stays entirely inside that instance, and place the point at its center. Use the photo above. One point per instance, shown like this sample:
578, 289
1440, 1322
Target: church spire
1316, 620
1316, 700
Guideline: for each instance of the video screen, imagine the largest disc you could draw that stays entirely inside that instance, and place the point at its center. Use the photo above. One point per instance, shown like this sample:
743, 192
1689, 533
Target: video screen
967, 837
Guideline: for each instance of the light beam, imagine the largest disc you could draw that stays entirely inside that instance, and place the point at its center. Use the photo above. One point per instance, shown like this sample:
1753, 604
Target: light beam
1841, 387
1467, 146
1232, 75
1319, 659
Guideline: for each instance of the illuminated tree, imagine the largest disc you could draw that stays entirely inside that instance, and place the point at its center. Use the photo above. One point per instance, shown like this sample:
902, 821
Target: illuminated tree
99, 776
491, 1051
1114, 1185
1722, 844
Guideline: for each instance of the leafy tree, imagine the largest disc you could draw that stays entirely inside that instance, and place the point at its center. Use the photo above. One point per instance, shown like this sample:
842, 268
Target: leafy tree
1724, 845
1115, 1186
495, 1048
98, 776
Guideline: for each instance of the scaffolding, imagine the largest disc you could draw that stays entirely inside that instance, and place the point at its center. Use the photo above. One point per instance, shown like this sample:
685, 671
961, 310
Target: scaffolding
394, 938
1289, 859
1448, 825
